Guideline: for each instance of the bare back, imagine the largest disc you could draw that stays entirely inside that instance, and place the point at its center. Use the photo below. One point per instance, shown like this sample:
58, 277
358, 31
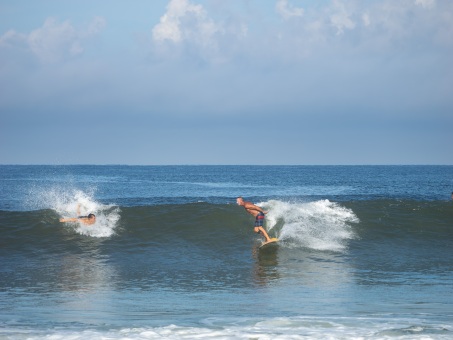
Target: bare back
252, 209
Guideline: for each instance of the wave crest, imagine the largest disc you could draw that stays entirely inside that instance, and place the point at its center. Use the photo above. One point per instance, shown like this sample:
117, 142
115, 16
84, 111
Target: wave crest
320, 225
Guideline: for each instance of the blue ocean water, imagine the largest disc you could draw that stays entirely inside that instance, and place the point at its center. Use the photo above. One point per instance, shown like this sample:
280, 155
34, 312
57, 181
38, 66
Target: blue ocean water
364, 252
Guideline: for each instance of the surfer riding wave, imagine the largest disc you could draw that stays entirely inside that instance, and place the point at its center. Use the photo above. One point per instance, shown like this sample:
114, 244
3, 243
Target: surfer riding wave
258, 213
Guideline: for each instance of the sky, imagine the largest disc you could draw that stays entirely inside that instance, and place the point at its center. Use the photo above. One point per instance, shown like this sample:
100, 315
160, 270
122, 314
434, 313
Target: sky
296, 82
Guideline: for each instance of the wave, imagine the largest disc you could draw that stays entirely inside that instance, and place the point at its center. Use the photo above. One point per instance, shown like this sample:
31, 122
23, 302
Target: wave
296, 327
321, 225
318, 225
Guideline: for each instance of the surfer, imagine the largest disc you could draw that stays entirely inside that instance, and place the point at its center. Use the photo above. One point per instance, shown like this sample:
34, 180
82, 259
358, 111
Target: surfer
87, 220
258, 213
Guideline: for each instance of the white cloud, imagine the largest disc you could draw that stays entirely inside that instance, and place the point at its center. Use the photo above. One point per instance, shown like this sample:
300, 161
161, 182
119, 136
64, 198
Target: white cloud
185, 21
51, 41
340, 18
366, 19
54, 40
425, 3
96, 26
12, 38
188, 30
288, 11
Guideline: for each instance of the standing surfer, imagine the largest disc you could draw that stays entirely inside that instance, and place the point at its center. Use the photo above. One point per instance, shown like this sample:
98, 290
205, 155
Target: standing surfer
258, 213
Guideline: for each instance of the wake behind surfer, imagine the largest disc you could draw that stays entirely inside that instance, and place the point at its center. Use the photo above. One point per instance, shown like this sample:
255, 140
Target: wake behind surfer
87, 220
256, 212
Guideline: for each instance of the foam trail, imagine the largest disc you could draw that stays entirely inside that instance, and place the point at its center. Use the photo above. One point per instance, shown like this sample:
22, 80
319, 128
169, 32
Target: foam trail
320, 225
66, 203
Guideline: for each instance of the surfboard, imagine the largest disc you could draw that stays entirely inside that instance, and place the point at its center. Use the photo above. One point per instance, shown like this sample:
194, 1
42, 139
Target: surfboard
272, 242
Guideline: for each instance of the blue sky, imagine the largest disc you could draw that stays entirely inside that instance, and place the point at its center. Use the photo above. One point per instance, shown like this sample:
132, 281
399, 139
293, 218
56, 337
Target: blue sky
226, 82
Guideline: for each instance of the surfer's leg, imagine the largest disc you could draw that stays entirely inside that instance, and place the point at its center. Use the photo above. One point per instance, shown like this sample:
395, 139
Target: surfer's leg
259, 222
260, 230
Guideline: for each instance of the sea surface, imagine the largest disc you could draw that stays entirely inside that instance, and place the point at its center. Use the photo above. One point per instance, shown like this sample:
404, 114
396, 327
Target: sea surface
365, 252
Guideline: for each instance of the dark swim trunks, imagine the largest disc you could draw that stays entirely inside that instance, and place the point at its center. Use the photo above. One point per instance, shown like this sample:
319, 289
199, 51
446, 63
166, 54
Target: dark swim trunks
259, 221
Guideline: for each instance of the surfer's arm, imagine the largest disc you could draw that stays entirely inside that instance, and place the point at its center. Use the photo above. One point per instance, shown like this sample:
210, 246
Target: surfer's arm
69, 219
73, 219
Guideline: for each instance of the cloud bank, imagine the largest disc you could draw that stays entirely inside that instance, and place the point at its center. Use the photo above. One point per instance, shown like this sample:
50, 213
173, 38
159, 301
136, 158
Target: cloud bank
344, 24
216, 31
220, 58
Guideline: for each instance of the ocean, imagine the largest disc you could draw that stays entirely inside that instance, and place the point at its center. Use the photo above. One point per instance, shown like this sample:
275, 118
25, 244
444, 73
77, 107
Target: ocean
365, 252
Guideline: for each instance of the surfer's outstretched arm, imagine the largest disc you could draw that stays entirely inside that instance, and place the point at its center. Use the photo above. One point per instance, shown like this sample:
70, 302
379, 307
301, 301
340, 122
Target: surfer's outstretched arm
69, 219
74, 219
87, 220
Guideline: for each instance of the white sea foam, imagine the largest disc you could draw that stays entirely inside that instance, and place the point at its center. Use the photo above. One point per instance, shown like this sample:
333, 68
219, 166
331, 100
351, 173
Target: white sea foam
69, 202
320, 225
264, 329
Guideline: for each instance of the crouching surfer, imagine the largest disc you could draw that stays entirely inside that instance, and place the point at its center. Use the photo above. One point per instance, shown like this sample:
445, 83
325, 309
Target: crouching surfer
258, 213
